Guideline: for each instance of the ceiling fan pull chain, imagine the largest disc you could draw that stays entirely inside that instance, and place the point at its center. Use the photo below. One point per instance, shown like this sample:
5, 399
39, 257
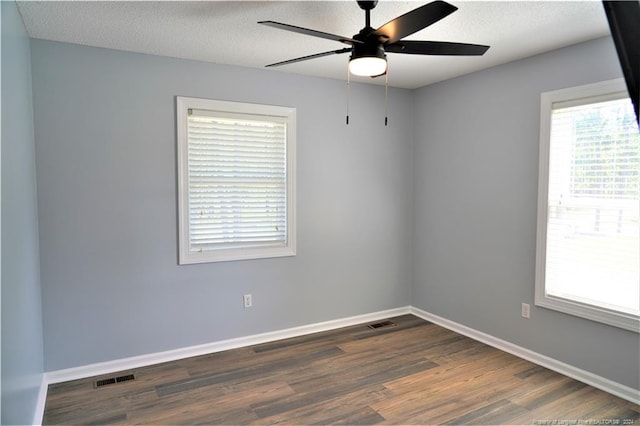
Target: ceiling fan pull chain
386, 96
348, 88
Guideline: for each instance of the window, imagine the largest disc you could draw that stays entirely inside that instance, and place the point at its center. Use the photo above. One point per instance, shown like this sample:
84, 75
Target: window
236, 174
588, 243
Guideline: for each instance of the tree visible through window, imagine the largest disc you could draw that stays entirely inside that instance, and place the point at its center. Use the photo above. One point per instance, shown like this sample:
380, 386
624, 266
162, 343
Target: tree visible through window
605, 156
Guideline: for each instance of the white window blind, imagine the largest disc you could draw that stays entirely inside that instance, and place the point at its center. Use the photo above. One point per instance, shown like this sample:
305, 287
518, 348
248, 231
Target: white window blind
592, 208
237, 183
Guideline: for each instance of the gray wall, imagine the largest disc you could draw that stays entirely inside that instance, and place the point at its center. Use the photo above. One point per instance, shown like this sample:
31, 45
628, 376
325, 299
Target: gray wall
22, 362
437, 210
105, 151
475, 195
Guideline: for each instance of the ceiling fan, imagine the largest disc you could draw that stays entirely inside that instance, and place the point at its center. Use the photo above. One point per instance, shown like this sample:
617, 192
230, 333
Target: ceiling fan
368, 48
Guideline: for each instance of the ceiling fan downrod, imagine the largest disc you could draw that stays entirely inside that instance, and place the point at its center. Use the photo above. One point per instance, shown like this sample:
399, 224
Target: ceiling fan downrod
367, 6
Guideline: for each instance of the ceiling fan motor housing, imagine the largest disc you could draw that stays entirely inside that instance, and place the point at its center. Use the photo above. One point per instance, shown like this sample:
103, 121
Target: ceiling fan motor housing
371, 46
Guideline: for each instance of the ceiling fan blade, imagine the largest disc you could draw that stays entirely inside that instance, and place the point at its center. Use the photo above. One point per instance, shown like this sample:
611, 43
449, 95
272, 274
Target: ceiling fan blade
307, 31
436, 48
317, 55
413, 21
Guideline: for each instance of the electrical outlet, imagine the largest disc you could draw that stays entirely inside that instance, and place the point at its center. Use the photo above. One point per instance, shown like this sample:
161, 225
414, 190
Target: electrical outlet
526, 310
248, 300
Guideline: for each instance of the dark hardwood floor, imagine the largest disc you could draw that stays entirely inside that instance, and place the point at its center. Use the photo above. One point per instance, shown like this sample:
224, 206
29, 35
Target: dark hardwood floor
413, 372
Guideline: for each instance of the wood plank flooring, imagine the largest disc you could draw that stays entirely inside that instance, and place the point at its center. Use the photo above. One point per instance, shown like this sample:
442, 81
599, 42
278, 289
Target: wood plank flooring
413, 372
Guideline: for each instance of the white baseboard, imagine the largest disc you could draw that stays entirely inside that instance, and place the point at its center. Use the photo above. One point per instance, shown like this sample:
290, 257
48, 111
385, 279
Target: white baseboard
622, 391
208, 348
617, 389
40, 403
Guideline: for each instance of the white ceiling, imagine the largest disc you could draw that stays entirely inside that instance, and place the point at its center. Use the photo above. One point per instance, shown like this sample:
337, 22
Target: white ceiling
227, 32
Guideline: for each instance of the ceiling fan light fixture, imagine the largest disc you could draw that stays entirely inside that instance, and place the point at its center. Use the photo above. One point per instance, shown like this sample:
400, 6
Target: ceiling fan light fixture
368, 66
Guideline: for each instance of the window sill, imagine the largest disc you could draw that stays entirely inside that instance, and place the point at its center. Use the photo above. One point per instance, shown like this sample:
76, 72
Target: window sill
227, 255
606, 316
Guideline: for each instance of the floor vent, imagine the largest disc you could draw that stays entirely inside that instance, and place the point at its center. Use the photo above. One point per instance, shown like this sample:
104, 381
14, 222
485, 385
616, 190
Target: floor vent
382, 324
113, 380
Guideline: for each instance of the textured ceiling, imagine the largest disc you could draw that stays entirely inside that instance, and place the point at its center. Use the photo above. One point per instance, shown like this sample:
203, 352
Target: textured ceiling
227, 32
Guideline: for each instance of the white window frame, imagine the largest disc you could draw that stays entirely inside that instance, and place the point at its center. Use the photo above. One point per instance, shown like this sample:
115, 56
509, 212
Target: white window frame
250, 251
607, 90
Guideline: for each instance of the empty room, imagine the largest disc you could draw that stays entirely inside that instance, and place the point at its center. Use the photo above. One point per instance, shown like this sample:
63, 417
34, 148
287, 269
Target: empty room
320, 212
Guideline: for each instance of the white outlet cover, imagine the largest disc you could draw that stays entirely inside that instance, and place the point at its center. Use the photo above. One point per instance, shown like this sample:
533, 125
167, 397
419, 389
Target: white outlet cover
248, 302
526, 310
